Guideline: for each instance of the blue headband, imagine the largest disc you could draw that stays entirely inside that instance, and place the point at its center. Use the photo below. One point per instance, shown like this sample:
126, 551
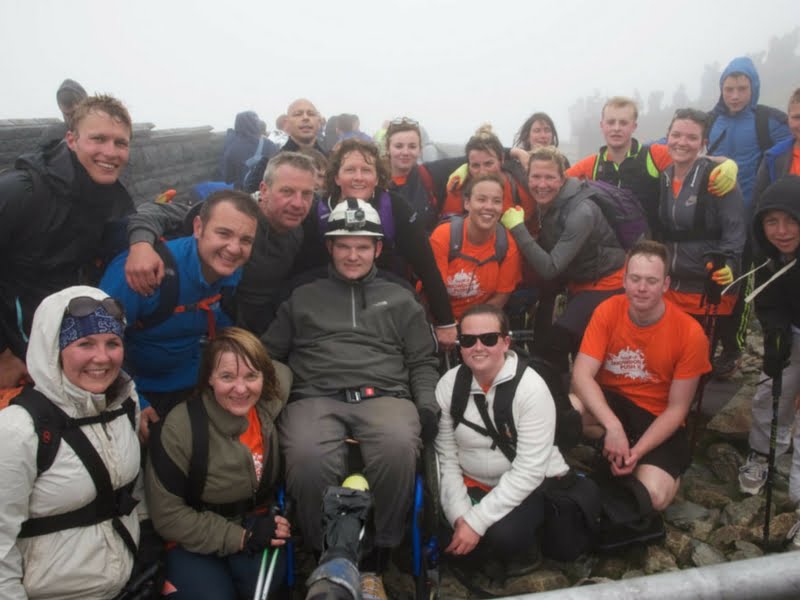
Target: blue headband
75, 328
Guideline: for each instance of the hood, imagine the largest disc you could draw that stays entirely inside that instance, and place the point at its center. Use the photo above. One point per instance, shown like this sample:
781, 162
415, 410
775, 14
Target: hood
43, 357
55, 163
783, 195
248, 124
741, 64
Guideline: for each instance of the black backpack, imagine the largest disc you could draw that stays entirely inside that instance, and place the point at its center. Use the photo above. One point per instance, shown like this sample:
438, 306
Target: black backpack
190, 486
503, 432
52, 425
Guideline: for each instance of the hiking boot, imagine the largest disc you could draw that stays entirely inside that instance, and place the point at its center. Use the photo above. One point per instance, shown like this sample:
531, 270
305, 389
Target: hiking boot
372, 587
727, 363
753, 474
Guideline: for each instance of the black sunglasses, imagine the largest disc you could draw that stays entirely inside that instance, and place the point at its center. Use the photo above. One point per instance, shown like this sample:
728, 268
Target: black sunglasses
468, 340
83, 306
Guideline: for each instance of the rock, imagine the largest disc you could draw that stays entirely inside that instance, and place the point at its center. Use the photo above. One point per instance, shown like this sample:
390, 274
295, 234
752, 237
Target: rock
702, 529
784, 464
680, 546
704, 555
658, 559
779, 526
633, 573
708, 494
724, 461
742, 513
613, 567
724, 537
540, 581
592, 581
734, 419
745, 550
682, 515
581, 568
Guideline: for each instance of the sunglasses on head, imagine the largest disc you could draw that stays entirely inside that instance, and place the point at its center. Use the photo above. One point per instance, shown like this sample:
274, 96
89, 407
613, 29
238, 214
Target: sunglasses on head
83, 306
468, 340
403, 121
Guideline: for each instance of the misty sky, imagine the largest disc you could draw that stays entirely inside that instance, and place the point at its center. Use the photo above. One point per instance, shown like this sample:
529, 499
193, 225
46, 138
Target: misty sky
450, 64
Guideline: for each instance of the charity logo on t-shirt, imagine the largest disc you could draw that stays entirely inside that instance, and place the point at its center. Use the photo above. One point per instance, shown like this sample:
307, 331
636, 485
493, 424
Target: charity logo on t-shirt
628, 363
463, 285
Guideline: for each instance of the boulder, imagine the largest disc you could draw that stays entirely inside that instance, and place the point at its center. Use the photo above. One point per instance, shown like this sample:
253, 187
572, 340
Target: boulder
734, 419
724, 460
704, 555
658, 559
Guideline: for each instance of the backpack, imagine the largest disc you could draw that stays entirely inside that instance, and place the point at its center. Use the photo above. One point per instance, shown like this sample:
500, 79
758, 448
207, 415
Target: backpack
620, 207
252, 163
52, 425
503, 432
763, 114
190, 486
457, 235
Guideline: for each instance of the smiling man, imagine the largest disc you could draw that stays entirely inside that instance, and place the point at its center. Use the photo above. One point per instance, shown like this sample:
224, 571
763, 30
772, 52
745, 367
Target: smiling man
165, 329
361, 352
58, 207
635, 376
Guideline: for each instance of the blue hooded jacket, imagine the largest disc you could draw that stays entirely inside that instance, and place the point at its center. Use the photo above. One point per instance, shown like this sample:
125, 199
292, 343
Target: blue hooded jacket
741, 139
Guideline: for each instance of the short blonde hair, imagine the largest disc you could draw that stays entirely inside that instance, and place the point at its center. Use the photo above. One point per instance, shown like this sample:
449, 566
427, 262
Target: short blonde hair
621, 102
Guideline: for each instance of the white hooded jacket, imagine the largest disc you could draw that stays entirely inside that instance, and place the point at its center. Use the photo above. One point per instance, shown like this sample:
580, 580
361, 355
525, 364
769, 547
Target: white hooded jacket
84, 562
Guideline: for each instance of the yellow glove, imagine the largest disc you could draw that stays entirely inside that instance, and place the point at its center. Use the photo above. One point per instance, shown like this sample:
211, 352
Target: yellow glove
723, 276
723, 178
512, 217
166, 197
458, 176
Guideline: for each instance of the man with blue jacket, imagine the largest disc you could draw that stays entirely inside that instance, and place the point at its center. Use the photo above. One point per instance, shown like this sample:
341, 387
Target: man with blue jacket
165, 329
742, 130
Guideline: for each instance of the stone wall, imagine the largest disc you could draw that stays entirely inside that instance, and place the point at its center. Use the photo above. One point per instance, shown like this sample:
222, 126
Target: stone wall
160, 159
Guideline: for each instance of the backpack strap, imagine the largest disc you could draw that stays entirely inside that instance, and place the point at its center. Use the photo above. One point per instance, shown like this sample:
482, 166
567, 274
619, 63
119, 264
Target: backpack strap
498, 442
461, 391
427, 183
457, 237
168, 290
109, 503
198, 463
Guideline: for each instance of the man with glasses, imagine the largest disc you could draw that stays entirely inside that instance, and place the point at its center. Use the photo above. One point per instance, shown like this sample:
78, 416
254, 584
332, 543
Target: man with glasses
636, 374
362, 355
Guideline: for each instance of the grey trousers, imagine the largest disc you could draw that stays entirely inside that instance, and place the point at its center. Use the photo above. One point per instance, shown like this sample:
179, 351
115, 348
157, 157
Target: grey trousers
312, 433
788, 417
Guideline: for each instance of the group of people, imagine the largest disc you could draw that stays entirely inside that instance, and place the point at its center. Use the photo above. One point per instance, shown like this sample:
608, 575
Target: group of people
309, 308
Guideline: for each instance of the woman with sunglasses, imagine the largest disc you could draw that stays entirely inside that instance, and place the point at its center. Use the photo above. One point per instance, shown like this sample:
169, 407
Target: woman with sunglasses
705, 233
486, 267
494, 504
75, 358
219, 536
421, 185
357, 171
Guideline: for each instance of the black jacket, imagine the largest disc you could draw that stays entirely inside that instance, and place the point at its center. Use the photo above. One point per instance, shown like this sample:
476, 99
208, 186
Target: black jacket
54, 223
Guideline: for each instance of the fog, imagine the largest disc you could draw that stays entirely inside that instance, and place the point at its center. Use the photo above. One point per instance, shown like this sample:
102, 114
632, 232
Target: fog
450, 64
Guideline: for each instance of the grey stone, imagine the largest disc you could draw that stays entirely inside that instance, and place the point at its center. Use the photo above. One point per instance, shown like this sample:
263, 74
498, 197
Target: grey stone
683, 514
724, 537
724, 461
744, 550
704, 555
540, 581
680, 546
734, 419
658, 559
742, 513
612, 567
707, 494
633, 573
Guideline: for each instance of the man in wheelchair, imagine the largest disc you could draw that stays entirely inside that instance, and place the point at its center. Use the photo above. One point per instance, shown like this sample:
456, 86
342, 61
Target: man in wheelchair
362, 355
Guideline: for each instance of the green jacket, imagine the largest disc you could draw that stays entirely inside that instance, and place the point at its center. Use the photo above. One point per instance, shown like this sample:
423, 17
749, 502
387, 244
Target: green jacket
231, 475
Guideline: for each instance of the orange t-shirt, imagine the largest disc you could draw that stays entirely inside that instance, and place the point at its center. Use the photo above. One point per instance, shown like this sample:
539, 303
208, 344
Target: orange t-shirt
612, 281
584, 168
466, 282
690, 303
399, 180
254, 440
794, 169
640, 363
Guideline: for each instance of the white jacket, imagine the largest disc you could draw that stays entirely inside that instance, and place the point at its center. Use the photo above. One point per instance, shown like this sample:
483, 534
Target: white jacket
467, 452
83, 562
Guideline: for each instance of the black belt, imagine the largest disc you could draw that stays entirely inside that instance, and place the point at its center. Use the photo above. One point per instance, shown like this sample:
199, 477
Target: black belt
348, 395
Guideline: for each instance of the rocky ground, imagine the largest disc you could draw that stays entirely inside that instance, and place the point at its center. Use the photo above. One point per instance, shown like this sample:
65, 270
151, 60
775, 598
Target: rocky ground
709, 522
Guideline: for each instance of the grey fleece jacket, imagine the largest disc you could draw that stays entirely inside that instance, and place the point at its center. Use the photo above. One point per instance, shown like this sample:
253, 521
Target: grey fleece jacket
576, 242
337, 334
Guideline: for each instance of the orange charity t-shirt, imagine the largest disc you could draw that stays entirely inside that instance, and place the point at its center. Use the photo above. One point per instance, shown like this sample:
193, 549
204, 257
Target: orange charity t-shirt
254, 440
584, 168
640, 363
468, 283
694, 305
794, 169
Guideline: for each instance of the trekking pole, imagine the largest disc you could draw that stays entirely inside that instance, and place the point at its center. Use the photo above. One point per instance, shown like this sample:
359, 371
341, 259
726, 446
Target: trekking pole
712, 297
261, 574
270, 573
777, 384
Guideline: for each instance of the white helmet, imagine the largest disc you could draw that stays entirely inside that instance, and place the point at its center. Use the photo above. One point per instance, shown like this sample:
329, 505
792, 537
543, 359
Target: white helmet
352, 216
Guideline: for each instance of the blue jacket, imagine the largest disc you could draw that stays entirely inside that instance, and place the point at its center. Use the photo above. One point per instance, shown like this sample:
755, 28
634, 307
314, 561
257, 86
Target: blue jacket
741, 140
166, 357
